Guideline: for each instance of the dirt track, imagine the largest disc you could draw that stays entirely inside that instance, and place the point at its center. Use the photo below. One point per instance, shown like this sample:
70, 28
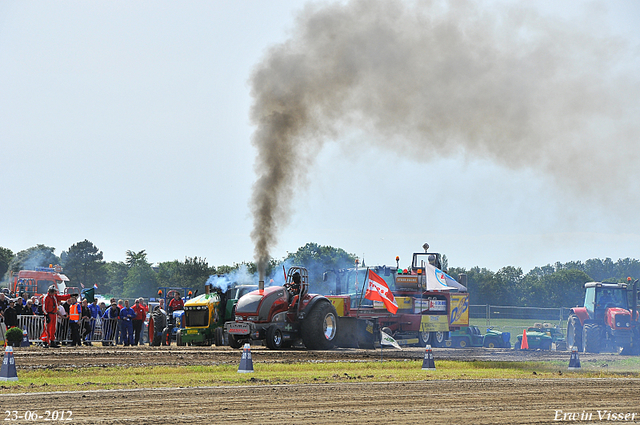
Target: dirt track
459, 401
36, 357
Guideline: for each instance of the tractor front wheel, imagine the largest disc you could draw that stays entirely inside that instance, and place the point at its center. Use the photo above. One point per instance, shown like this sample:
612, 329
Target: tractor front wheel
463, 343
234, 342
218, 336
591, 338
491, 343
179, 340
320, 327
275, 339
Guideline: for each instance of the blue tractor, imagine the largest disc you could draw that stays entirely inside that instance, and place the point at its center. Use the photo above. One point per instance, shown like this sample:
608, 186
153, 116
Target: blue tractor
166, 322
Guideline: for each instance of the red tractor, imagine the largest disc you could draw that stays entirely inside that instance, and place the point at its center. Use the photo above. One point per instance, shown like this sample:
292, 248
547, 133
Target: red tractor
282, 315
605, 322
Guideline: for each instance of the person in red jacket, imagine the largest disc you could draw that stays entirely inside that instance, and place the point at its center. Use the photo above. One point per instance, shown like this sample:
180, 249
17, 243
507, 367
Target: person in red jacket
141, 315
50, 309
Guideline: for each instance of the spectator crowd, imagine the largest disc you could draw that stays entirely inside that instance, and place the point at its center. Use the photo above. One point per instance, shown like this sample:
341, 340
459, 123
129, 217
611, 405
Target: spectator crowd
120, 321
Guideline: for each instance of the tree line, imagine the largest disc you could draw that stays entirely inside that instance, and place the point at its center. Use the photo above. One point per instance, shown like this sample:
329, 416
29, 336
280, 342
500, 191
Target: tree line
557, 285
83, 263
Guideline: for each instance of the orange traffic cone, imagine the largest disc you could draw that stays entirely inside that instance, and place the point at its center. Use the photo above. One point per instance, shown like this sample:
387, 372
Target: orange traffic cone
524, 345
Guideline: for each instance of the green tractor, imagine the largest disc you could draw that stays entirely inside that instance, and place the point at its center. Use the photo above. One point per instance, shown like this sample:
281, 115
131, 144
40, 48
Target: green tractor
471, 337
497, 339
205, 315
542, 337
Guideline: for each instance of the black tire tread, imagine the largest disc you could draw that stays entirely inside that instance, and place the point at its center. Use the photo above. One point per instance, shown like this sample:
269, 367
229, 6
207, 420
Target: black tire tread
312, 327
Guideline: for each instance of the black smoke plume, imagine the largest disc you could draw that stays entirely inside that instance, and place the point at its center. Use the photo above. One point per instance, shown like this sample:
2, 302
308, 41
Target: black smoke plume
435, 79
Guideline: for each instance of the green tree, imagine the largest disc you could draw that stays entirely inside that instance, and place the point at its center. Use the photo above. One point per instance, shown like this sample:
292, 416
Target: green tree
84, 263
36, 256
563, 288
192, 273
116, 274
141, 279
6, 255
317, 259
135, 258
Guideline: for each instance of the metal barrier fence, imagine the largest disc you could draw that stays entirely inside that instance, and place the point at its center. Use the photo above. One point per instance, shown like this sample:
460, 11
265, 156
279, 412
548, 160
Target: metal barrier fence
95, 330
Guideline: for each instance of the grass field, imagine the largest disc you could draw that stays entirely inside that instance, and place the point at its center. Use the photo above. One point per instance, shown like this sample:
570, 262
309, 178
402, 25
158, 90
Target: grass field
69, 379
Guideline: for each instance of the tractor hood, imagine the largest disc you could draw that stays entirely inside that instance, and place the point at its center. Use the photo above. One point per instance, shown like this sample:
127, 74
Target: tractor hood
261, 301
204, 299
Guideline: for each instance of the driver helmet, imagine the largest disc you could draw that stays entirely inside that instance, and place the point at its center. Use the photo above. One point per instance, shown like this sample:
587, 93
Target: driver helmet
296, 278
432, 259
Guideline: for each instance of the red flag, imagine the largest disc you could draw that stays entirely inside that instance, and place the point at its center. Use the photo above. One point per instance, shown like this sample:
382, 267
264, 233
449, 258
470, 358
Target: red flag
377, 290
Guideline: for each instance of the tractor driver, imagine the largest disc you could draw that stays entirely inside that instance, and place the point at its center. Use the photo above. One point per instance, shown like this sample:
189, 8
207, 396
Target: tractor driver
176, 303
294, 286
606, 298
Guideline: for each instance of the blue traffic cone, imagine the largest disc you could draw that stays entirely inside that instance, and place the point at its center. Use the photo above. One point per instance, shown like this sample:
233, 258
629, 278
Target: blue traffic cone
246, 364
25, 339
574, 360
8, 370
429, 362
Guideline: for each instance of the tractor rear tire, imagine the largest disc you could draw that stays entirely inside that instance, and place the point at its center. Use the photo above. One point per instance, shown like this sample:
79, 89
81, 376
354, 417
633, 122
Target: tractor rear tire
320, 327
591, 338
275, 339
574, 332
218, 336
234, 342
517, 347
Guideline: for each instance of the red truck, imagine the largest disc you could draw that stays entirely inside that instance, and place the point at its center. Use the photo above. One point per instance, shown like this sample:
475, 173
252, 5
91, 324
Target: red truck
28, 283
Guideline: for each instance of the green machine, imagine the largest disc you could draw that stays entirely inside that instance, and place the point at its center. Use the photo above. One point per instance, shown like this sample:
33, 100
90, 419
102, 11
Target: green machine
471, 337
206, 314
542, 337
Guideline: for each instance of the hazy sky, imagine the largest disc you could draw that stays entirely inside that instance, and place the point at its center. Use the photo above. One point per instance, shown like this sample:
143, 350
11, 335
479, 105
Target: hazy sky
129, 124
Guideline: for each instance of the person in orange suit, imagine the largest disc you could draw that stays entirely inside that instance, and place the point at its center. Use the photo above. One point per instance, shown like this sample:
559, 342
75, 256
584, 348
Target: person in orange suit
50, 307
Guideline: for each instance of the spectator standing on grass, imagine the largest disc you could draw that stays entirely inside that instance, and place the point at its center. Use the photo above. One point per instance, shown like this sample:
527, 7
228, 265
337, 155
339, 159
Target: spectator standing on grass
11, 315
118, 330
110, 321
50, 309
4, 302
127, 314
18, 306
37, 306
138, 320
86, 318
28, 309
96, 311
75, 315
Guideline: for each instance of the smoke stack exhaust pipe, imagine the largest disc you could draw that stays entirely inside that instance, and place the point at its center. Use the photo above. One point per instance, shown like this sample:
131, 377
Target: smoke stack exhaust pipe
261, 285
